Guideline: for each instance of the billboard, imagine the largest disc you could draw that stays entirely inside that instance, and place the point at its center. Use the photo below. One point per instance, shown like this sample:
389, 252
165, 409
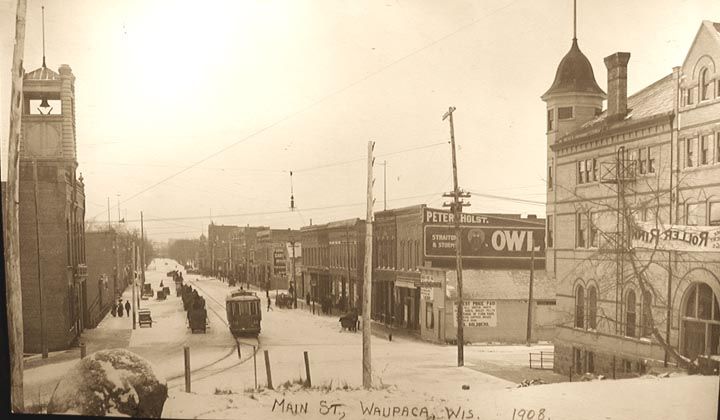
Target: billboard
279, 261
490, 237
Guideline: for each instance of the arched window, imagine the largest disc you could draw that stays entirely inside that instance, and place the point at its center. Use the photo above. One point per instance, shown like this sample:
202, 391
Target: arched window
630, 315
579, 307
592, 307
403, 264
700, 322
705, 84
647, 320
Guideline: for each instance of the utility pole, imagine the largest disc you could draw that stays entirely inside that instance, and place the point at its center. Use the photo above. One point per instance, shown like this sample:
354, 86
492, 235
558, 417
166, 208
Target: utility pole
385, 185
367, 281
293, 275
43, 332
108, 208
13, 288
456, 207
118, 206
528, 336
247, 256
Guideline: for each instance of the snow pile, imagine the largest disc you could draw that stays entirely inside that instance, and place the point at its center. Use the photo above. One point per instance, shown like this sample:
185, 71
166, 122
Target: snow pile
112, 382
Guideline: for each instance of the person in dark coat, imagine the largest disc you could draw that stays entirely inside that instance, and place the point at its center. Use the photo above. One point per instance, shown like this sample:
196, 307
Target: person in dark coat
120, 308
113, 310
127, 307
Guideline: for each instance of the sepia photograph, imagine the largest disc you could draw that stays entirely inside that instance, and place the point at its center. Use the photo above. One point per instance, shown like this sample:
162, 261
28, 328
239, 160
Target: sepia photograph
343, 209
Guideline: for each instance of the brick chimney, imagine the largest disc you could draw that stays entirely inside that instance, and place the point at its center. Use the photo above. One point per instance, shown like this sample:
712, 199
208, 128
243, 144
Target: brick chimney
617, 84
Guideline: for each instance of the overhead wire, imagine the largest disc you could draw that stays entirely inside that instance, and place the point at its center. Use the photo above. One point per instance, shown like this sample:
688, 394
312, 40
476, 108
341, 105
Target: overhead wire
320, 100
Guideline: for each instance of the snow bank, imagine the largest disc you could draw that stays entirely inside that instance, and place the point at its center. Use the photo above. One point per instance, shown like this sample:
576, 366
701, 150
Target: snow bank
110, 382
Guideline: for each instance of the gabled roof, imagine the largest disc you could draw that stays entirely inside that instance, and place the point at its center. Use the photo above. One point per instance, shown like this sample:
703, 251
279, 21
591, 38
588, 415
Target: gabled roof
713, 28
42, 73
501, 284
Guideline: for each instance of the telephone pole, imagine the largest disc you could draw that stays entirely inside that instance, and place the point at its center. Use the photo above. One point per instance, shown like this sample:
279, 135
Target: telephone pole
456, 206
367, 281
528, 336
11, 222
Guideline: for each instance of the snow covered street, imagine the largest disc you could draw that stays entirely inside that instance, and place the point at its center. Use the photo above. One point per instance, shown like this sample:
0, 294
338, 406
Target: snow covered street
414, 379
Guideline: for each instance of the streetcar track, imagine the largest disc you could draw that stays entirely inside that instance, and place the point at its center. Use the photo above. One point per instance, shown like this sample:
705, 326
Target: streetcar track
203, 369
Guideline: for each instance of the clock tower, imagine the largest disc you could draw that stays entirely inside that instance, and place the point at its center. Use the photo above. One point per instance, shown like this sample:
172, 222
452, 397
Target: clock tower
52, 213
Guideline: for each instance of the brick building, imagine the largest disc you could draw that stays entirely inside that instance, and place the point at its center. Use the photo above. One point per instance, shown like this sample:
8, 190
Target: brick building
333, 263
109, 271
495, 248
219, 248
244, 243
52, 246
633, 202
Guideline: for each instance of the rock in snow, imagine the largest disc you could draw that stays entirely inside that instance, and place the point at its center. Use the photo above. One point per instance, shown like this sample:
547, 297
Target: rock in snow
110, 382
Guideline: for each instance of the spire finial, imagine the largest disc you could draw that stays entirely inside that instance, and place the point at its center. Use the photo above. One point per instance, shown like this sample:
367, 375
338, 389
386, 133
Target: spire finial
43, 34
574, 20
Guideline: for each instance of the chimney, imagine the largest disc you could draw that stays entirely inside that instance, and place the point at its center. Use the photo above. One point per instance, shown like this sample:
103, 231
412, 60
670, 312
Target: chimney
617, 84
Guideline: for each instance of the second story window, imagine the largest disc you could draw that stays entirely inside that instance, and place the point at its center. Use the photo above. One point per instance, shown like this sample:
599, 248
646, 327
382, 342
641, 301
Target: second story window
690, 96
705, 152
586, 171
690, 157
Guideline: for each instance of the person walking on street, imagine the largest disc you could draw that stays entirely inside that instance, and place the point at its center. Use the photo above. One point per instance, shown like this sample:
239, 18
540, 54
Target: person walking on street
269, 308
113, 310
120, 308
127, 308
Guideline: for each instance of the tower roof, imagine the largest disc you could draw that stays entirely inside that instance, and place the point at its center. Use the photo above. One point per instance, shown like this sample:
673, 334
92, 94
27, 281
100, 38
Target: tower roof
42, 73
574, 74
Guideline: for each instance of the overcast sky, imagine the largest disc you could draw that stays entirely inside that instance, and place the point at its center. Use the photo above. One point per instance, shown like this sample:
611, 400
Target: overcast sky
187, 109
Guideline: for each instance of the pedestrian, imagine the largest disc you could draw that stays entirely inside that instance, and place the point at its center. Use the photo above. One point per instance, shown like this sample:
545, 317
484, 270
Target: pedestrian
127, 307
120, 308
269, 308
113, 310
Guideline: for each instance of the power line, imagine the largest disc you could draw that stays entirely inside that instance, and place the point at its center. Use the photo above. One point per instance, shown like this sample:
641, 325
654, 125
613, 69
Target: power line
319, 101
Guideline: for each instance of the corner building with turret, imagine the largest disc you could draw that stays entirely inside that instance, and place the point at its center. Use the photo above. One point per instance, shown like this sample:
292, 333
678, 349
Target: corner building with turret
633, 213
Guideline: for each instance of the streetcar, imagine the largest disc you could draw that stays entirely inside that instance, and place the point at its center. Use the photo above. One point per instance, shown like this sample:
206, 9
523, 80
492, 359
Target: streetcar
243, 313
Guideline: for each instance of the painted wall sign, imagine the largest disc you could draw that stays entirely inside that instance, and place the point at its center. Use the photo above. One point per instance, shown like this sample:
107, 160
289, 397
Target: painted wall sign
477, 313
279, 261
486, 242
676, 237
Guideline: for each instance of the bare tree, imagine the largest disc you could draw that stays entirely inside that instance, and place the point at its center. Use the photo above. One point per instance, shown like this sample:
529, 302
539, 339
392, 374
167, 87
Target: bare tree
612, 226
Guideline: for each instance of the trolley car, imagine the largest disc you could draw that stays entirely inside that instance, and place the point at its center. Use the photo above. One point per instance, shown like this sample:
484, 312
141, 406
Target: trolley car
243, 312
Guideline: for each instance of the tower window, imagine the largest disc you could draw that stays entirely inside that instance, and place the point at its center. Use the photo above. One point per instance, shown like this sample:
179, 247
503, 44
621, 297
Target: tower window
44, 107
550, 175
550, 119
565, 113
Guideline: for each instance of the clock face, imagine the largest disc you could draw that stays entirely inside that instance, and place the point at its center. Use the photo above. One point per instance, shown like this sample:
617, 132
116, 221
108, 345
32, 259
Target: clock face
43, 139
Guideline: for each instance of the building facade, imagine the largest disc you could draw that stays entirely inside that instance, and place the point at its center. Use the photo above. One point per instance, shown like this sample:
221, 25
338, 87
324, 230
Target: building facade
109, 271
334, 255
220, 247
411, 239
633, 202
52, 213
